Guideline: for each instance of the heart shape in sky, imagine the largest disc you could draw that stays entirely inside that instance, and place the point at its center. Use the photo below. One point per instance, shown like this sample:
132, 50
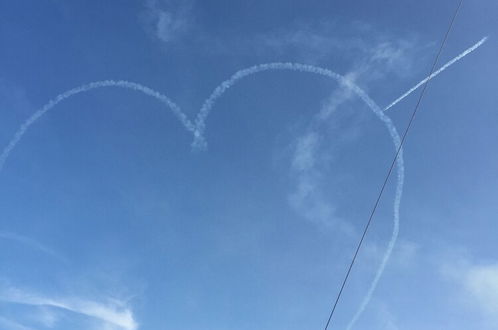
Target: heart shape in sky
198, 127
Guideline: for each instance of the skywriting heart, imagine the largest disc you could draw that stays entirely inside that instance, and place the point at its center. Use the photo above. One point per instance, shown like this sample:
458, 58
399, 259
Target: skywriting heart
198, 126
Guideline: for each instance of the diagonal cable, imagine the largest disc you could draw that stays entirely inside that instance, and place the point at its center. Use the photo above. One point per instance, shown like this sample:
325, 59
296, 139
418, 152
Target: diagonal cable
405, 133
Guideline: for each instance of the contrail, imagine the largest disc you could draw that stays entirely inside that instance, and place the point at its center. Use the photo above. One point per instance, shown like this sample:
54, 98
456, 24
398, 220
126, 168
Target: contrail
397, 198
225, 85
198, 128
435, 73
276, 66
85, 88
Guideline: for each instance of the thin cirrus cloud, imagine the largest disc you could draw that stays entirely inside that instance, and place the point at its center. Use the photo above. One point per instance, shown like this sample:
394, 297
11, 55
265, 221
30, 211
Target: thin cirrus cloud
111, 313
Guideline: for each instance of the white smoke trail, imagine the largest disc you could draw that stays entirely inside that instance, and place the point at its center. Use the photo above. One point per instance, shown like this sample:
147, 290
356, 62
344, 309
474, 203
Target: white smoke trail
435, 73
85, 88
397, 198
225, 85
199, 126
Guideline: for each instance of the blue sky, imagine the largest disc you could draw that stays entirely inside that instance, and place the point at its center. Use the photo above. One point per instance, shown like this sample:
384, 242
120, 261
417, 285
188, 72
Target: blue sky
111, 219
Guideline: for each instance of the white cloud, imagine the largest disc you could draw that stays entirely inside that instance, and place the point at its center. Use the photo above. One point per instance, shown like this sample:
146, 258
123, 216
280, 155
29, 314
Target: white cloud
307, 197
305, 154
109, 312
375, 57
477, 284
311, 158
481, 284
167, 20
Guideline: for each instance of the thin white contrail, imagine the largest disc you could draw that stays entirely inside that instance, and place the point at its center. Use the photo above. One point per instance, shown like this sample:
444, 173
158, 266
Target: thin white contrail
85, 88
435, 73
225, 85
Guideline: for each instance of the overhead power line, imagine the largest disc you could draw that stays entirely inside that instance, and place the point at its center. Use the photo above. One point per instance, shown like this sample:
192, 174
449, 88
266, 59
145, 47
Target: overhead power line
379, 196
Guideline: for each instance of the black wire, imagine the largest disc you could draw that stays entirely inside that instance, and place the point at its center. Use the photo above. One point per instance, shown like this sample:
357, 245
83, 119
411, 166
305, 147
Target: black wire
392, 165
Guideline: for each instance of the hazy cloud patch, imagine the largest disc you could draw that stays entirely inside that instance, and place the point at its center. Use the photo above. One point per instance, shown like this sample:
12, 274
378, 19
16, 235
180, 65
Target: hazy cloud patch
167, 20
476, 283
110, 312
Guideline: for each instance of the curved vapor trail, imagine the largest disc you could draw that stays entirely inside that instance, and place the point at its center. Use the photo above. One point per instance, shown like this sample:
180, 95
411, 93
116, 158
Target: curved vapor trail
85, 88
225, 85
221, 88
199, 126
399, 190
435, 73
276, 66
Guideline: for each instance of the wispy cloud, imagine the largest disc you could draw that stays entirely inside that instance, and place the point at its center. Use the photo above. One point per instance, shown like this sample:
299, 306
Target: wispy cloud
477, 283
481, 283
110, 312
31, 243
167, 20
307, 199
321, 42
310, 156
377, 64
314, 150
311, 42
